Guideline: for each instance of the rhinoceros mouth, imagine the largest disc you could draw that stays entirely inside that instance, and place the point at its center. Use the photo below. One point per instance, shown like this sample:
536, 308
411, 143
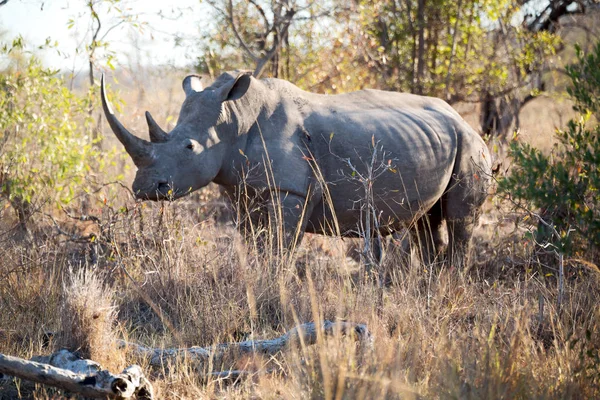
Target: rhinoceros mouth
159, 191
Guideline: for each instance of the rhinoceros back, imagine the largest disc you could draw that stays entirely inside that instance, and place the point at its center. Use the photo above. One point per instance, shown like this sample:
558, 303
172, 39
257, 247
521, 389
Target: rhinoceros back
407, 144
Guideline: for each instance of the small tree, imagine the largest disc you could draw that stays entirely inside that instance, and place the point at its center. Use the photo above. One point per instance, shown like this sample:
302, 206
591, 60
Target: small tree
45, 152
564, 185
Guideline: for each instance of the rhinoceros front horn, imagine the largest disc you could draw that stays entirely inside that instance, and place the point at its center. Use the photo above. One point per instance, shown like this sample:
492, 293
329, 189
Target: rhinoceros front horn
138, 149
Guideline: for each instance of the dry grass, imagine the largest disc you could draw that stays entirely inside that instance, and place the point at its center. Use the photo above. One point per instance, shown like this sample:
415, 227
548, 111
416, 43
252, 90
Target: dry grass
88, 319
175, 278
177, 274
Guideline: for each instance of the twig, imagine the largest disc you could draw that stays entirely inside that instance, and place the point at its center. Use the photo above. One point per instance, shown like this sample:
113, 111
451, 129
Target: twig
83, 218
71, 237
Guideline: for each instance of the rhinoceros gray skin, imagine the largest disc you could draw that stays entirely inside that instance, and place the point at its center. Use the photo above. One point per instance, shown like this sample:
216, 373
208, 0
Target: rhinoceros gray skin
427, 164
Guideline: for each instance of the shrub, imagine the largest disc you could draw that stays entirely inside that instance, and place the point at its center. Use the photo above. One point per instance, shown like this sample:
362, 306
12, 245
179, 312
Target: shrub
45, 149
564, 184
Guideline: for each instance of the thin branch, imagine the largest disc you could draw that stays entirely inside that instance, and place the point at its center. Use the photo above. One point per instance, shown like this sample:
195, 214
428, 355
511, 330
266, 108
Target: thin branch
262, 13
314, 17
287, 21
241, 41
93, 46
517, 86
121, 22
71, 237
83, 218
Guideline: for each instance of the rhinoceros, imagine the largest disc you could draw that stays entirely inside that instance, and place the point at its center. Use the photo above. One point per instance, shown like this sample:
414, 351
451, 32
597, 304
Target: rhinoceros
367, 161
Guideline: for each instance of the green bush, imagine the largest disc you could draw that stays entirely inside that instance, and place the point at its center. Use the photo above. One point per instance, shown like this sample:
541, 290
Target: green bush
45, 148
564, 185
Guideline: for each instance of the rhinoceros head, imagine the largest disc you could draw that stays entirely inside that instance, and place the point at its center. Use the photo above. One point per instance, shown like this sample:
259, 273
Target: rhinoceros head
174, 164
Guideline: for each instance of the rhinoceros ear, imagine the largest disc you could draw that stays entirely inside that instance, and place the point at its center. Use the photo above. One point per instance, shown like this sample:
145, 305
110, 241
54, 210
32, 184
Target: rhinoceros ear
191, 84
237, 87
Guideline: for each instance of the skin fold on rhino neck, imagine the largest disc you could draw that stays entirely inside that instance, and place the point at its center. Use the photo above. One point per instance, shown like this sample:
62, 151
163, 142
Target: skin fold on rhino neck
240, 114
237, 118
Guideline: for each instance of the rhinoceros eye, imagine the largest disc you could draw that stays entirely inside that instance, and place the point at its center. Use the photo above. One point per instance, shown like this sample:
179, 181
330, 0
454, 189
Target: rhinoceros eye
190, 146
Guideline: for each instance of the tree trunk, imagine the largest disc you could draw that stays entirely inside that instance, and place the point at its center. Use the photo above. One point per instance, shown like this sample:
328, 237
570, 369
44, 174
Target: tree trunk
453, 49
413, 34
275, 59
421, 50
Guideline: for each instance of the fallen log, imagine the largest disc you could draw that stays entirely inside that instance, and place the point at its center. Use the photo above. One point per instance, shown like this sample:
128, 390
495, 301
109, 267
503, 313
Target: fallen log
67, 371
304, 333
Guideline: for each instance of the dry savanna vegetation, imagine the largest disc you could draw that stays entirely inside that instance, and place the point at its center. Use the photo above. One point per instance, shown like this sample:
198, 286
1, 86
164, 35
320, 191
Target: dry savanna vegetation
83, 265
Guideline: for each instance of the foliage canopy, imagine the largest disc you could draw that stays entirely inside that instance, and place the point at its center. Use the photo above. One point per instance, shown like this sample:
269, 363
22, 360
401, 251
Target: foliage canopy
45, 150
564, 184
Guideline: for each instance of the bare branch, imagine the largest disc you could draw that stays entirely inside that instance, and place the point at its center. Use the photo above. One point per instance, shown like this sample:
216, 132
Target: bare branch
71, 237
262, 13
277, 41
93, 45
83, 218
241, 41
121, 22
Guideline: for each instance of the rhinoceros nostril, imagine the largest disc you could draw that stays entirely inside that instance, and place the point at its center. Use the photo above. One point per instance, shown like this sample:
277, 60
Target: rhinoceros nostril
163, 186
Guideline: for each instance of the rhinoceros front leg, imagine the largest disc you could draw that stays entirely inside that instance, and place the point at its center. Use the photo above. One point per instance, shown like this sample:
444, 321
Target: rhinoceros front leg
253, 225
288, 216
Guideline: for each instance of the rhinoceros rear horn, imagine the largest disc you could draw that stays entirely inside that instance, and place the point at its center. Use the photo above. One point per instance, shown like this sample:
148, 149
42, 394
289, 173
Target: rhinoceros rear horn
157, 135
138, 149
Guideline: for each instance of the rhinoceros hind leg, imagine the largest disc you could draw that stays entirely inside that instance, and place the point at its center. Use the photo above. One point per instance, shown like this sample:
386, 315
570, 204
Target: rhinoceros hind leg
427, 235
462, 207
460, 232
